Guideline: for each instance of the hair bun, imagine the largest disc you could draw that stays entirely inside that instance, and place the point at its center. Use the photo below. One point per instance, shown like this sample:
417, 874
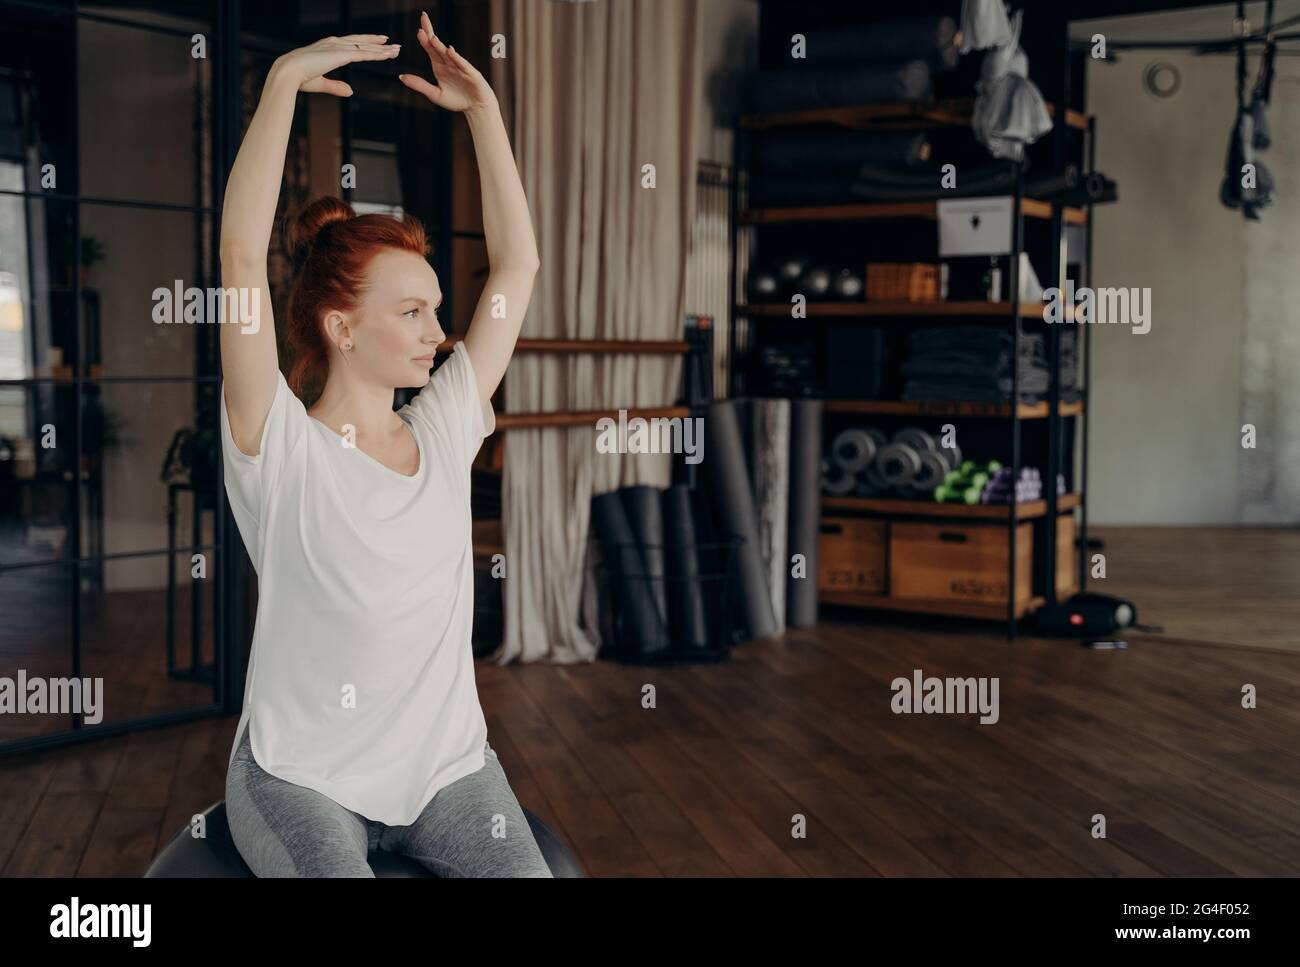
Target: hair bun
304, 227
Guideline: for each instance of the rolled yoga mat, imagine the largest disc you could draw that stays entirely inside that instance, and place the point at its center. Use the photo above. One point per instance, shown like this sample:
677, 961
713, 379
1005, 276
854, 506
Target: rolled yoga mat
727, 479
854, 449
717, 563
903, 38
877, 183
804, 527
624, 565
836, 481
688, 620
796, 88
643, 505
1054, 183
769, 464
829, 187
798, 152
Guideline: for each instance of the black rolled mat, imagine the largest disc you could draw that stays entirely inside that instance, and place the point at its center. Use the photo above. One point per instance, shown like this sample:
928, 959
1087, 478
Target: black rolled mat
685, 593
796, 152
878, 183
902, 38
644, 630
794, 89
714, 561
645, 513
805, 511
727, 479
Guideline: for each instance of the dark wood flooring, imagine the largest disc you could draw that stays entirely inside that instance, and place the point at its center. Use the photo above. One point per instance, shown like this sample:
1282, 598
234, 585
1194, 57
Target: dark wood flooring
798, 730
1220, 584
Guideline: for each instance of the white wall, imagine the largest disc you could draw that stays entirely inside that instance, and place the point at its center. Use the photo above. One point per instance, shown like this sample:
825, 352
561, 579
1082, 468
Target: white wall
1168, 406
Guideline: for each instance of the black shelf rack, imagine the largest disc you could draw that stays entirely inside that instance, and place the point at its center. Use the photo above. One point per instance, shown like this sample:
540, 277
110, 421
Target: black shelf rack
952, 113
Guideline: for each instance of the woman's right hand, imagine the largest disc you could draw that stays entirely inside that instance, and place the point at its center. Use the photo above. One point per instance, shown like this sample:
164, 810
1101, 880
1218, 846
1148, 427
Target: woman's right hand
306, 66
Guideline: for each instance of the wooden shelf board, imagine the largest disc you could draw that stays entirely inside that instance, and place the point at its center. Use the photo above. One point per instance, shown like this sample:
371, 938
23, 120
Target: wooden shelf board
856, 211
947, 112
1028, 510
569, 346
960, 609
1027, 411
1028, 310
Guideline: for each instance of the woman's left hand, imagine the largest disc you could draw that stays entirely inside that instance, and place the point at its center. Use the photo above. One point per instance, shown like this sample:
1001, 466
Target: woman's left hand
460, 86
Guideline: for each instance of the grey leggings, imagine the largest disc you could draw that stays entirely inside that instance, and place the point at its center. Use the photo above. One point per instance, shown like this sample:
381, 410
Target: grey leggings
283, 829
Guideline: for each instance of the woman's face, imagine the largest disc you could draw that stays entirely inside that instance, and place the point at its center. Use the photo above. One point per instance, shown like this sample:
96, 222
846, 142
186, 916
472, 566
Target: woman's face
396, 326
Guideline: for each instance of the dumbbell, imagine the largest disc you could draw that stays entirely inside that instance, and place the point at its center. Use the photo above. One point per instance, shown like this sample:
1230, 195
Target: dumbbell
847, 284
764, 285
815, 282
790, 268
967, 483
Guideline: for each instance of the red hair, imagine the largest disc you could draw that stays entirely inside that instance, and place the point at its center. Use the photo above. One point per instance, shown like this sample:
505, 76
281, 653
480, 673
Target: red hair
330, 246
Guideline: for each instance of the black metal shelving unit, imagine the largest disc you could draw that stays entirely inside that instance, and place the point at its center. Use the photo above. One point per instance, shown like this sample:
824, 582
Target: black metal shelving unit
936, 114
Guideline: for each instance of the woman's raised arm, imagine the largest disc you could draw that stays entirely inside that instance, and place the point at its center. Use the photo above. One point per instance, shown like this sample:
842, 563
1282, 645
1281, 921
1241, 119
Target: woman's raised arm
507, 224
249, 360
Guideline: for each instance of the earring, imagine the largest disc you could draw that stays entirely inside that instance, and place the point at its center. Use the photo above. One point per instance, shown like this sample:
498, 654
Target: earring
348, 344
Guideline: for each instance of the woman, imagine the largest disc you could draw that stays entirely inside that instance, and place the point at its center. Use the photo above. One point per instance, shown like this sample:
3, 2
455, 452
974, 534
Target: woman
361, 727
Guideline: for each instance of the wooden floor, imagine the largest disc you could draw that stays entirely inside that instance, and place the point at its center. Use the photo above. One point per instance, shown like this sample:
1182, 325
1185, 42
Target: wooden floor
1222, 584
799, 730
712, 780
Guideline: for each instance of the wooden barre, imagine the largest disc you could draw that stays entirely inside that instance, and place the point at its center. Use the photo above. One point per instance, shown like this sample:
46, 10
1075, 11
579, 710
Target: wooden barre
637, 346
519, 421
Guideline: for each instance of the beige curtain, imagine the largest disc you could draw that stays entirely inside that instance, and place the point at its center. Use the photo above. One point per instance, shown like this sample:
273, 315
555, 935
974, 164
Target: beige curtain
591, 94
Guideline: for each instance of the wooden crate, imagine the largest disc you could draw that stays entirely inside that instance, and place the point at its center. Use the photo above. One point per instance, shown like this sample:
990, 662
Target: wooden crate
853, 555
902, 282
958, 562
1067, 556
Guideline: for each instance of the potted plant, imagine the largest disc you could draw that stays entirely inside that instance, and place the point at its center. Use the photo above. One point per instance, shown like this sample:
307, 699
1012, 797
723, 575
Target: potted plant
192, 455
92, 251
101, 431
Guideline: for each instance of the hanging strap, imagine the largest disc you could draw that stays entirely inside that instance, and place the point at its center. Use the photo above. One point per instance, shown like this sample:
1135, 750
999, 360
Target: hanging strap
1264, 81
1240, 27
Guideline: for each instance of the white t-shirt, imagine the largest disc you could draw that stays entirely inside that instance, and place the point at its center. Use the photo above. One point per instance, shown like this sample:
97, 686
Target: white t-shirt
361, 677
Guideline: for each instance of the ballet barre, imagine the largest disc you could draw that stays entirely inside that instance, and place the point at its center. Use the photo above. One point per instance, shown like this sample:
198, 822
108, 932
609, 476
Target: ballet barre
557, 418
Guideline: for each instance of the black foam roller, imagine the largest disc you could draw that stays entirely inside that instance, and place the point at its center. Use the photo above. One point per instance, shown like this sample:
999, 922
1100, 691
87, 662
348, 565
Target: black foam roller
805, 510
728, 481
685, 594
797, 152
797, 88
875, 182
645, 513
624, 564
714, 562
1067, 179
928, 38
